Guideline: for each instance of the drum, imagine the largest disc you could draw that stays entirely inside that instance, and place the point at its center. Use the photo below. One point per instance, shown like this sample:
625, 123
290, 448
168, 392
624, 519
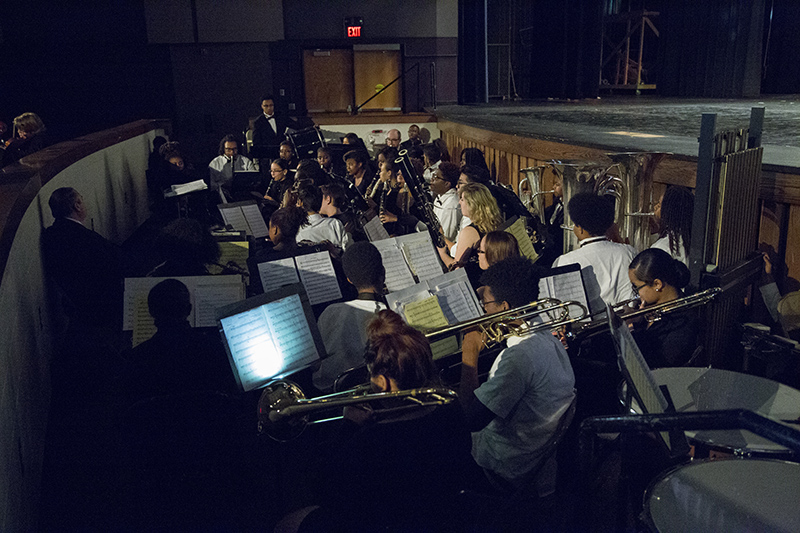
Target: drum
711, 389
306, 142
727, 495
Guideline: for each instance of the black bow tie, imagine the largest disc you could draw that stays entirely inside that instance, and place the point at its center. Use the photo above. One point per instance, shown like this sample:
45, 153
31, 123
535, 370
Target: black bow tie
270, 117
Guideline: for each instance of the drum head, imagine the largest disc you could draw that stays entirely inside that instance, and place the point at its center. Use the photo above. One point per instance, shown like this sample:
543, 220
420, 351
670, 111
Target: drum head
726, 495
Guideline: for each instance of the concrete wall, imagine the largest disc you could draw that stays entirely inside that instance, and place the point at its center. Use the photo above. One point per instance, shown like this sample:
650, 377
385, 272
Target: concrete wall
112, 182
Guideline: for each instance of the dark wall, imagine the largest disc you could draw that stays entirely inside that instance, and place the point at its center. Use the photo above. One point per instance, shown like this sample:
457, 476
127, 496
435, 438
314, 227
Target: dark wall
82, 66
781, 46
711, 49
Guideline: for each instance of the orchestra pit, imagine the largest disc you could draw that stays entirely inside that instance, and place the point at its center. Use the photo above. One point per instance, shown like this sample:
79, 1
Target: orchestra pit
456, 265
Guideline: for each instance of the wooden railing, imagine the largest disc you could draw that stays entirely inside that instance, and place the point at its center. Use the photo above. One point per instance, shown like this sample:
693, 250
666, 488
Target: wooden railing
507, 154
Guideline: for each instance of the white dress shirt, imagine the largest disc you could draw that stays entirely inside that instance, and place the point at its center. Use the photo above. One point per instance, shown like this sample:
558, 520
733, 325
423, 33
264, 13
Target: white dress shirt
321, 228
680, 255
447, 210
428, 172
607, 262
220, 169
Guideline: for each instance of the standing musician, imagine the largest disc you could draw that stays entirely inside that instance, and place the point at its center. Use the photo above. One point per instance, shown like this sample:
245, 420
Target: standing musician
658, 278
530, 386
402, 469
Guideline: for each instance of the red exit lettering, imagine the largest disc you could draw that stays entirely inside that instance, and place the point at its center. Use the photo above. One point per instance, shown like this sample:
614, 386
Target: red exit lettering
354, 31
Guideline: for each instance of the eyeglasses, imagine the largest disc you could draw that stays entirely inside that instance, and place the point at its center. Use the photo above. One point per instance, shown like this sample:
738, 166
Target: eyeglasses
484, 304
637, 289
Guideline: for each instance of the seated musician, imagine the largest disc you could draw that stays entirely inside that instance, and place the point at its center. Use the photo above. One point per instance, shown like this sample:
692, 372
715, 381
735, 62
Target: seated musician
343, 326
675, 215
396, 205
280, 182
318, 228
445, 204
398, 469
358, 169
478, 204
658, 278
219, 168
530, 386
592, 216
496, 246
334, 203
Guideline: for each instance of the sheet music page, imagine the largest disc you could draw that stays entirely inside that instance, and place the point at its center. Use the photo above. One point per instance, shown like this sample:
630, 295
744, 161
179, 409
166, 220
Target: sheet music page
517, 229
233, 216
398, 275
212, 292
444, 347
251, 346
565, 287
425, 314
255, 222
231, 251
375, 230
278, 273
421, 255
398, 299
318, 277
144, 326
456, 297
290, 332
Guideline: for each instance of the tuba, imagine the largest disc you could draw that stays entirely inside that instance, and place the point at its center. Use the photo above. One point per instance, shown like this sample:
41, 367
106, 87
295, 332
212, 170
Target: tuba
535, 201
577, 176
632, 189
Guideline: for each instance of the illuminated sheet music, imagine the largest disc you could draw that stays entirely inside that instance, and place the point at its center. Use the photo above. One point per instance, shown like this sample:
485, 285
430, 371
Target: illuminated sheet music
425, 314
421, 255
398, 275
318, 277
567, 286
278, 273
459, 302
517, 229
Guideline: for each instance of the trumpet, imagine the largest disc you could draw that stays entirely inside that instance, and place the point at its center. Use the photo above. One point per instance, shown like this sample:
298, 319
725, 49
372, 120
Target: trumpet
284, 411
650, 314
517, 322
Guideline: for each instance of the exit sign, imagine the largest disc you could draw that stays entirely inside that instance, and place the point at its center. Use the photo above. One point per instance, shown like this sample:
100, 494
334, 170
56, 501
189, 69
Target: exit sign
353, 27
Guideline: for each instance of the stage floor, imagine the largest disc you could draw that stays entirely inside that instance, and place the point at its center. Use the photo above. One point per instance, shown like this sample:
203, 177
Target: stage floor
643, 123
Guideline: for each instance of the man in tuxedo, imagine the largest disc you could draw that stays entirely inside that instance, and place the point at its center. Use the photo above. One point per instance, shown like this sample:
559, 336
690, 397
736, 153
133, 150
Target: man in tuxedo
83, 264
269, 130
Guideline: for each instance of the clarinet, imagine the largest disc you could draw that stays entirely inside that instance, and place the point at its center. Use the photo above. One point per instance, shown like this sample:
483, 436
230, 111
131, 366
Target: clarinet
384, 194
414, 184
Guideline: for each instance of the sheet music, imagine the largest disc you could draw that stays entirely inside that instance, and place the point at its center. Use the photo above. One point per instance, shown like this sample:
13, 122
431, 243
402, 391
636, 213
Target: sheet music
398, 275
233, 216
375, 230
211, 293
278, 273
255, 222
232, 251
207, 293
421, 255
318, 277
455, 302
517, 229
144, 326
425, 313
252, 349
565, 287
444, 347
290, 332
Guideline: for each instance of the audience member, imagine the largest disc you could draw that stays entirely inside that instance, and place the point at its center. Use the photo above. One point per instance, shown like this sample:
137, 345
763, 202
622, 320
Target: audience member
413, 138
530, 387
31, 137
343, 326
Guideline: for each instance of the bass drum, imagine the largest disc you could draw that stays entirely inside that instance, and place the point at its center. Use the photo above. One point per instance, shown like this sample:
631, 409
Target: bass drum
727, 495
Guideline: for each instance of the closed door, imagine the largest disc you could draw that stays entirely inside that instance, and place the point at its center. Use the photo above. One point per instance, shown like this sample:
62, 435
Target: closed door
373, 70
328, 80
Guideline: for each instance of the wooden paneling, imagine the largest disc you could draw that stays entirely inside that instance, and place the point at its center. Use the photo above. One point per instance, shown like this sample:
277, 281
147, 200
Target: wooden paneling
792, 257
374, 68
329, 79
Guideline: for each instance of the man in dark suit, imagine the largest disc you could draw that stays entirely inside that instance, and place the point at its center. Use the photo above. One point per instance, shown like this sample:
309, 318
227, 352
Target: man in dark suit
83, 264
269, 130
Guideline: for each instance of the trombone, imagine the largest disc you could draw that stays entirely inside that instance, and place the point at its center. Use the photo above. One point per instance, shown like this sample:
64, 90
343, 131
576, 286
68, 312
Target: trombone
284, 411
650, 314
518, 322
